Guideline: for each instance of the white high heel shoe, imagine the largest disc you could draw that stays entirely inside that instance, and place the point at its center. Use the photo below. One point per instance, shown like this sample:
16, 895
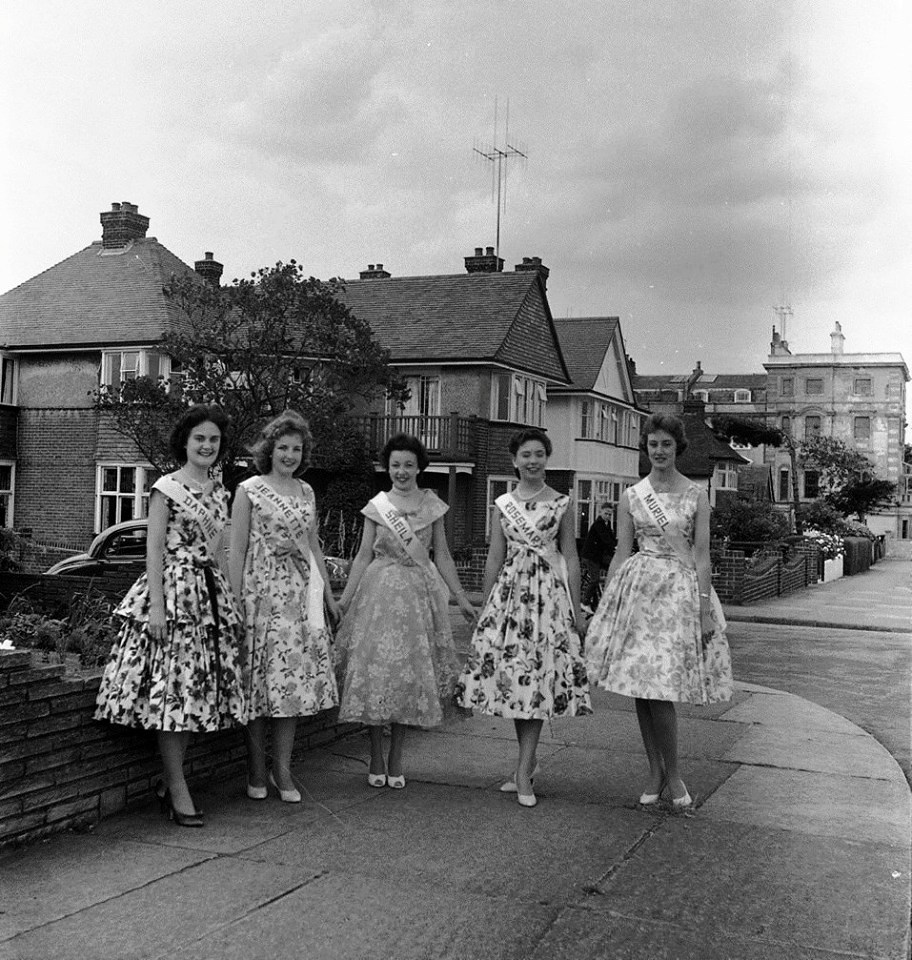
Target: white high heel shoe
510, 785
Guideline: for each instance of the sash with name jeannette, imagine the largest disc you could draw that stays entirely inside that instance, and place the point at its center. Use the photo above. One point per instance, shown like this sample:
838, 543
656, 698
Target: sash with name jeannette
645, 493
520, 521
178, 494
401, 529
301, 535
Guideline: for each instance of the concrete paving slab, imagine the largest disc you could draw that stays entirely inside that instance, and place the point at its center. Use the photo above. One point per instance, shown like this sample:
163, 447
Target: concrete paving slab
850, 755
595, 776
823, 804
471, 840
157, 919
773, 708
761, 884
352, 917
577, 935
45, 882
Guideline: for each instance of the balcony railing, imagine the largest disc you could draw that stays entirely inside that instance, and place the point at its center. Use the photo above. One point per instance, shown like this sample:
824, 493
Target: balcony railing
446, 438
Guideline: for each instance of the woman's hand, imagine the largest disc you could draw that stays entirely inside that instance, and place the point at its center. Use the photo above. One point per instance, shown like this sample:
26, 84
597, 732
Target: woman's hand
707, 623
157, 621
469, 613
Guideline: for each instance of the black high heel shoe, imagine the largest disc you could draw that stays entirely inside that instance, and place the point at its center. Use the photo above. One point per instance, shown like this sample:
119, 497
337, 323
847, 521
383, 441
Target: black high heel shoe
166, 806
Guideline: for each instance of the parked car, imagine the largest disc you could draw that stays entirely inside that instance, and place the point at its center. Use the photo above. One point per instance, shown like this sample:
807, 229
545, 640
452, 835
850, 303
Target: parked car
122, 549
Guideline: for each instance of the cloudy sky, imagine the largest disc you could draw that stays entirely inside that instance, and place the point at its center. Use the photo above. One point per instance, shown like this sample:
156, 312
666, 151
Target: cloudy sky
690, 164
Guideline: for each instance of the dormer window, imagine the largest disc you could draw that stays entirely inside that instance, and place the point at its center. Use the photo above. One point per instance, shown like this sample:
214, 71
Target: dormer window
742, 396
701, 395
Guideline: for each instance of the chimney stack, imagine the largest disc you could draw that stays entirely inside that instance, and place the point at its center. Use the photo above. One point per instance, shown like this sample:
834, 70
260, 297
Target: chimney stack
778, 346
534, 263
484, 262
209, 269
375, 272
121, 225
837, 340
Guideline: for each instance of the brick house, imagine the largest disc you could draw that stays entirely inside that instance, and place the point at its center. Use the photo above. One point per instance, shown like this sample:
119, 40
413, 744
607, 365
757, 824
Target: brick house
594, 421
481, 355
94, 318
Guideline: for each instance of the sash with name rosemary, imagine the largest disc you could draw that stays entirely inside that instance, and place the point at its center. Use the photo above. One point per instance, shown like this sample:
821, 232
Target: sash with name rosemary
519, 519
300, 534
178, 494
401, 529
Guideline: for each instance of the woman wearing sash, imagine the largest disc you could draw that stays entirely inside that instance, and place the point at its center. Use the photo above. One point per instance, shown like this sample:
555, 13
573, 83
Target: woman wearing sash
174, 667
526, 662
658, 633
278, 574
395, 643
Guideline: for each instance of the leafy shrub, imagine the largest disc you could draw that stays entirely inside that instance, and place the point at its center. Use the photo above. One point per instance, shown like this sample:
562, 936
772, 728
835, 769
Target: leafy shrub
820, 515
747, 520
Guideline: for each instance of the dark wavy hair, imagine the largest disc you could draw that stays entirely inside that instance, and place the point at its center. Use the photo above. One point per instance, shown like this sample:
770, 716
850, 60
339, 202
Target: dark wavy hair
670, 424
197, 414
289, 422
405, 441
524, 436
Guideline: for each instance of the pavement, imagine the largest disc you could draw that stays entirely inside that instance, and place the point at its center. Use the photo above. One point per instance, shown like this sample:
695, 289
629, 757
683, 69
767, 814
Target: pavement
798, 846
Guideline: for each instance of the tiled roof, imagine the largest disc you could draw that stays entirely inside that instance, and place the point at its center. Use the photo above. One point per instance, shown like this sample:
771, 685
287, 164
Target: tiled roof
584, 341
448, 317
95, 297
704, 449
708, 381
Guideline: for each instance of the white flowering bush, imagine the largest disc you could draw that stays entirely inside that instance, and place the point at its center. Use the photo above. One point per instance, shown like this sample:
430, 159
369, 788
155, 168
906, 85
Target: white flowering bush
830, 544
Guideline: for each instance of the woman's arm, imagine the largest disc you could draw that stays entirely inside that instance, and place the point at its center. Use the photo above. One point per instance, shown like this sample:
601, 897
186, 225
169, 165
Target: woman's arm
443, 560
624, 537
155, 554
361, 562
240, 539
703, 562
568, 549
497, 551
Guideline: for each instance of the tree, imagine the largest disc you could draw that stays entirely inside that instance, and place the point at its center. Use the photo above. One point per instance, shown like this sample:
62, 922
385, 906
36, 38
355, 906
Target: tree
847, 478
757, 432
275, 341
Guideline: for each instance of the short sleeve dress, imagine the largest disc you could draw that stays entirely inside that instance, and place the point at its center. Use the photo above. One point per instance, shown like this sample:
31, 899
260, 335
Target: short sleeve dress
190, 681
287, 659
526, 660
395, 643
644, 639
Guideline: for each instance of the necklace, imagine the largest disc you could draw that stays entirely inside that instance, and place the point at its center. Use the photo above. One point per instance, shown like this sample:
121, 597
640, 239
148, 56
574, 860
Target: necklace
529, 496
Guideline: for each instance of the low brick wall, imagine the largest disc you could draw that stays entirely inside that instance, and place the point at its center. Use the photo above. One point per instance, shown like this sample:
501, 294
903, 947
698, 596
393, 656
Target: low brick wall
739, 579
61, 768
471, 569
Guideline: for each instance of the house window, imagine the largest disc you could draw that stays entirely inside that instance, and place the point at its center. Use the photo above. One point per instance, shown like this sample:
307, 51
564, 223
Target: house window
119, 366
585, 419
862, 429
742, 396
497, 486
7, 380
701, 395
122, 493
518, 399
811, 426
813, 386
863, 386
787, 388
7, 490
811, 484
785, 491
583, 507
419, 415
726, 476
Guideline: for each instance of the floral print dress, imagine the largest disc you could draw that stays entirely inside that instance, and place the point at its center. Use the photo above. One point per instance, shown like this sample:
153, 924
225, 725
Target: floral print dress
645, 637
526, 660
395, 644
191, 680
287, 660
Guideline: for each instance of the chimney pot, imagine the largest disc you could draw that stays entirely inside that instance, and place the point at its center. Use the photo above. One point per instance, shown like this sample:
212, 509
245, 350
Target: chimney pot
479, 252
209, 269
533, 265
375, 271
489, 251
484, 262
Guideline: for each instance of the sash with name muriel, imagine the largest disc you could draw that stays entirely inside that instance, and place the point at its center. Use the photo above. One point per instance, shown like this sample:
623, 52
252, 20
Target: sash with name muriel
183, 497
519, 519
402, 529
300, 533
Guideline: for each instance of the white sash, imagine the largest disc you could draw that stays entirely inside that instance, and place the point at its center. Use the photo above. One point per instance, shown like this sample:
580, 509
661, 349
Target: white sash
178, 494
519, 519
402, 529
301, 536
644, 492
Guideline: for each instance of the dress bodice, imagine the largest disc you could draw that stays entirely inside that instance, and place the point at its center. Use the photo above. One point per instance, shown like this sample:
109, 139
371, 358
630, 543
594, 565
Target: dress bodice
184, 537
269, 526
387, 545
681, 510
545, 515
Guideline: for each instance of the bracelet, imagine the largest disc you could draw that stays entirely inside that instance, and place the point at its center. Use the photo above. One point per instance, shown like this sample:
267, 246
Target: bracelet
705, 595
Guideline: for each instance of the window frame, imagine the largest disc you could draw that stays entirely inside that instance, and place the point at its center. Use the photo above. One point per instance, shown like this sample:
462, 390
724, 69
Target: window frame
141, 368
807, 386
787, 387
742, 395
139, 497
10, 494
528, 399
869, 392
509, 483
9, 379
861, 419
818, 431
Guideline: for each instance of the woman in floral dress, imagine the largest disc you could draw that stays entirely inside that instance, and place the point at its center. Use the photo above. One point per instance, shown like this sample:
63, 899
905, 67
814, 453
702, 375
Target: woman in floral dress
174, 667
658, 633
526, 661
395, 643
278, 574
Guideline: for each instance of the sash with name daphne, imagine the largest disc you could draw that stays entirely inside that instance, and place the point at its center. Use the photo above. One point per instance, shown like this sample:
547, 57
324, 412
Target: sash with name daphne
300, 533
178, 494
520, 521
402, 529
